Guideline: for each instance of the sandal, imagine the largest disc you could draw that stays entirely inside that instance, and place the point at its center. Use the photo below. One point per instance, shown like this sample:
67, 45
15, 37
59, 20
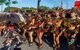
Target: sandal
54, 46
40, 46
30, 44
58, 46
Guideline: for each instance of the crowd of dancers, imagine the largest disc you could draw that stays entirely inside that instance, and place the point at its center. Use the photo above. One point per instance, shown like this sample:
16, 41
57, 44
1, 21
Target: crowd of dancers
63, 27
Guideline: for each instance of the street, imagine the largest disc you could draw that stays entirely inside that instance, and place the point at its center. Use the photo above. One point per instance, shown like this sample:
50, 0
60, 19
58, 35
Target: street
26, 46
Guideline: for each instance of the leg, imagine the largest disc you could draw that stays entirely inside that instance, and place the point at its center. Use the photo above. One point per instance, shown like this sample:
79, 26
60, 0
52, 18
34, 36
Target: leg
54, 40
0, 32
58, 42
58, 36
39, 35
23, 35
31, 37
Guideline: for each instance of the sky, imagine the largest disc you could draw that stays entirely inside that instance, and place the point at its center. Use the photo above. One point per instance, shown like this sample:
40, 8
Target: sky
49, 3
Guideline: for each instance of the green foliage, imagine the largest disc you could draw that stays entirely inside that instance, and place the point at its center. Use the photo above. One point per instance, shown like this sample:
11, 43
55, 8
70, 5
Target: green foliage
54, 8
10, 2
28, 9
44, 7
2, 1
14, 2
11, 9
7, 3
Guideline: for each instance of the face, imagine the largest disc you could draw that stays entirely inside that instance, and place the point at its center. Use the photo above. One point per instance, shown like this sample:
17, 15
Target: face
72, 27
63, 14
57, 13
58, 23
49, 15
29, 14
73, 14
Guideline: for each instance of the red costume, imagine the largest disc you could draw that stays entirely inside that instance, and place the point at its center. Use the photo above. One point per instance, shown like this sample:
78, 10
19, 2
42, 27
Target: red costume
77, 5
11, 27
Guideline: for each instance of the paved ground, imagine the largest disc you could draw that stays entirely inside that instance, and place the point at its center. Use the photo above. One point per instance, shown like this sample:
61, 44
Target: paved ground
26, 46
46, 45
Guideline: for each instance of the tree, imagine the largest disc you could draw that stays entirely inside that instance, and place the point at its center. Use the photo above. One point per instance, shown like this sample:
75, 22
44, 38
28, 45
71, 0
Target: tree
14, 2
29, 9
44, 7
12, 9
9, 2
1, 3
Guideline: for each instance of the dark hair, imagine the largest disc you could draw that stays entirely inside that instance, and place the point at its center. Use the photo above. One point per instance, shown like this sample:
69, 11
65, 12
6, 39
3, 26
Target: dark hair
8, 23
68, 15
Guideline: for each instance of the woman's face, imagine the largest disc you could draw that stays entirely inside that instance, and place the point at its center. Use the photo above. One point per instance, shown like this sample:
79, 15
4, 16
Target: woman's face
63, 14
58, 23
29, 15
73, 14
49, 15
57, 13
72, 27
